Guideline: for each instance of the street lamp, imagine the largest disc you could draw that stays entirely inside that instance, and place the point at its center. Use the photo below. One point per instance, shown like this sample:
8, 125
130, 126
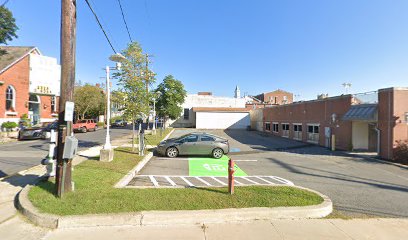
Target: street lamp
107, 154
155, 96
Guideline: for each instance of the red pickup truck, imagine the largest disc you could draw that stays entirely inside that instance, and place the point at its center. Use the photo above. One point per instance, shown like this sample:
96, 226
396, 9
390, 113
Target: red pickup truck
85, 125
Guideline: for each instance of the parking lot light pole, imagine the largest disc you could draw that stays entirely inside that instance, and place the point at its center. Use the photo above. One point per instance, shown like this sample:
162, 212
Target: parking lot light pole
106, 154
155, 96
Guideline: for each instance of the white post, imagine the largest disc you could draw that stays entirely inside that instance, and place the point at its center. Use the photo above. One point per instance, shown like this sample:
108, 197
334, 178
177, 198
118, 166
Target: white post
154, 114
107, 141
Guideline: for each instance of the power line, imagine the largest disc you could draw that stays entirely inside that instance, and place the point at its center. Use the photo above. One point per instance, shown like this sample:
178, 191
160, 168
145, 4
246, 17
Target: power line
124, 20
4, 4
100, 25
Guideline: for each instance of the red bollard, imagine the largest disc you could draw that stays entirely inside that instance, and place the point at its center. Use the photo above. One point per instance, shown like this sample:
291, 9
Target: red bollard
231, 171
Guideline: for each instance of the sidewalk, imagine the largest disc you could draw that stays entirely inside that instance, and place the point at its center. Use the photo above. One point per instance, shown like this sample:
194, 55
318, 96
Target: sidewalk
15, 226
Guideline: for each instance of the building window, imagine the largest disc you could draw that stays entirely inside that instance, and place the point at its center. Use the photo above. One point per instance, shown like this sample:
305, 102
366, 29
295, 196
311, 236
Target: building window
285, 130
268, 126
186, 113
285, 99
53, 104
297, 131
10, 98
406, 117
313, 133
275, 127
276, 100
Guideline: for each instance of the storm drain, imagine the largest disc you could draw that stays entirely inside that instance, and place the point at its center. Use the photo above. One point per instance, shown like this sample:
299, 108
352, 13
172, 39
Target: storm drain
160, 181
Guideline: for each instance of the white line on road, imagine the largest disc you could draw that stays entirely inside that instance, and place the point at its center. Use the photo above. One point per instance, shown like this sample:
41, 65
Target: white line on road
203, 181
170, 181
153, 180
188, 182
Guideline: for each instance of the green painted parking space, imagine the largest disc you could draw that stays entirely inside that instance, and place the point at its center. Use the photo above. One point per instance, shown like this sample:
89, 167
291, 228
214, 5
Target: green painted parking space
211, 167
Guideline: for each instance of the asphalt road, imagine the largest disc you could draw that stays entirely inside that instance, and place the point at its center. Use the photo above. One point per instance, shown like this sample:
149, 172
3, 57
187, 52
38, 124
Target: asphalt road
22, 155
358, 186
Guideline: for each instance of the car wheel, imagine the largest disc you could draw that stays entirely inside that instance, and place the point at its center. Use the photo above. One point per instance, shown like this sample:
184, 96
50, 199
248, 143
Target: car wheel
96, 128
171, 152
83, 130
217, 153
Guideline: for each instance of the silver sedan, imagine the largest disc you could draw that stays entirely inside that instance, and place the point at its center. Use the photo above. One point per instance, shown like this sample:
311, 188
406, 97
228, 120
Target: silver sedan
194, 144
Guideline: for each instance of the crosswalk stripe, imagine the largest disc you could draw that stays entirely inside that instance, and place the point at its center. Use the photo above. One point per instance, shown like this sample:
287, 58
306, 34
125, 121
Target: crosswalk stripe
219, 181
153, 180
265, 180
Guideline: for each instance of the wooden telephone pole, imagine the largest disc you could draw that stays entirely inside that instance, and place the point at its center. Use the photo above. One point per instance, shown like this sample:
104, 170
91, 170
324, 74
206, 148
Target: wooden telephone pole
68, 42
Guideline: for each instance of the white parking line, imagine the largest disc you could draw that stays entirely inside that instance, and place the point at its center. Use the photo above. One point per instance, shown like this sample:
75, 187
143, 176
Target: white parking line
203, 181
170, 181
266, 180
188, 182
219, 181
153, 180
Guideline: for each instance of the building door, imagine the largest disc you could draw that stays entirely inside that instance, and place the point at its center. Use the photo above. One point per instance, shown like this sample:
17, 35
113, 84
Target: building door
327, 135
34, 108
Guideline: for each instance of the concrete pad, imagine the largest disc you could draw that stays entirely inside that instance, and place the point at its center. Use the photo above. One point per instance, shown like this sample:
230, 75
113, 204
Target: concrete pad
129, 232
373, 228
7, 211
254, 230
19, 229
308, 229
106, 155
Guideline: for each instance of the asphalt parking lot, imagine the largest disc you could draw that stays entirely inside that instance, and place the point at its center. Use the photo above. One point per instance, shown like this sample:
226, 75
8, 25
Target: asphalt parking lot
357, 185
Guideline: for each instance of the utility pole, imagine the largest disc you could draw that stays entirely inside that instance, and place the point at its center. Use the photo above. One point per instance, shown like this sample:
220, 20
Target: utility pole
68, 35
147, 76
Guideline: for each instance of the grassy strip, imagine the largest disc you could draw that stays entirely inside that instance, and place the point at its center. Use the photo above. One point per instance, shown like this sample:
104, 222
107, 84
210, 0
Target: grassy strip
94, 193
154, 139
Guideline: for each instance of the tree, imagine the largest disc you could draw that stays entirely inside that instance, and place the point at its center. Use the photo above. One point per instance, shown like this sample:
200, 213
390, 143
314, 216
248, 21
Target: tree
172, 96
134, 76
90, 101
8, 25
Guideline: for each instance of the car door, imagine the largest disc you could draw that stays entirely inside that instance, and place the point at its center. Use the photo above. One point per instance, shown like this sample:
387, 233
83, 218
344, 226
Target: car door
189, 145
206, 144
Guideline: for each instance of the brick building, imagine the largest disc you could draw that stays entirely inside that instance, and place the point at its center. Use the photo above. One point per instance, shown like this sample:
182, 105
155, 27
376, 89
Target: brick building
367, 122
29, 84
277, 97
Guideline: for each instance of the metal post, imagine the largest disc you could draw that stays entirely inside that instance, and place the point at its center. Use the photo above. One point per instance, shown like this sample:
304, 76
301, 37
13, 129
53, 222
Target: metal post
154, 114
107, 145
68, 43
231, 171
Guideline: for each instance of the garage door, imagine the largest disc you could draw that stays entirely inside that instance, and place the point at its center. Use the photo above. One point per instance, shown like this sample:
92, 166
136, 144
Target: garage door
222, 120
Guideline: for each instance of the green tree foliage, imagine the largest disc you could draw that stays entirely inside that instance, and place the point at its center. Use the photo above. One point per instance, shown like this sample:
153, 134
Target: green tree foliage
172, 96
133, 77
8, 25
90, 101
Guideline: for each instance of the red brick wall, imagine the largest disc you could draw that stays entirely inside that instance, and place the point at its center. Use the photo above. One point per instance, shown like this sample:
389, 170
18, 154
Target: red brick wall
316, 112
275, 97
18, 77
392, 106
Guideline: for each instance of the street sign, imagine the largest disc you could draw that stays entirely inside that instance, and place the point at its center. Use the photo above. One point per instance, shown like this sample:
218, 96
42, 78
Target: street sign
69, 111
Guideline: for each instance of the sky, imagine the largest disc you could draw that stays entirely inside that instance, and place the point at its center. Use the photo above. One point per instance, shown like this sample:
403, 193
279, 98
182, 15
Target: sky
304, 47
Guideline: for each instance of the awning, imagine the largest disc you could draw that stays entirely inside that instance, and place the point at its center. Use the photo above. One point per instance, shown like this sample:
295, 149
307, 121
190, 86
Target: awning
362, 112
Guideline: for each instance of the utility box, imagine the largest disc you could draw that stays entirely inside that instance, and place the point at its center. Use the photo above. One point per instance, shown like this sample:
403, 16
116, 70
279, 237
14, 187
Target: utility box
70, 147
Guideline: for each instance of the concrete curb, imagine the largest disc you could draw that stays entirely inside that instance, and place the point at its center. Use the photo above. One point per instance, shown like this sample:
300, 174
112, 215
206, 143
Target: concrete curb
163, 218
132, 173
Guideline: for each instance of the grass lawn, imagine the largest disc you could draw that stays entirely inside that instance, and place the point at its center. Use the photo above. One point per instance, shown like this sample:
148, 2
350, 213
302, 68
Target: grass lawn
94, 193
155, 139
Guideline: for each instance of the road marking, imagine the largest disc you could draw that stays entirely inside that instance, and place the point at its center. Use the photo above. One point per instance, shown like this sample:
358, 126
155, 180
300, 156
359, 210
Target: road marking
222, 183
153, 180
170, 181
249, 180
218, 179
265, 180
203, 181
211, 167
188, 182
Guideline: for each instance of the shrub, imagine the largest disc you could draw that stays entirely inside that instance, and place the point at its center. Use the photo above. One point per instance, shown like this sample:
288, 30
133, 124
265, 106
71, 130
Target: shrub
100, 124
401, 152
24, 121
9, 125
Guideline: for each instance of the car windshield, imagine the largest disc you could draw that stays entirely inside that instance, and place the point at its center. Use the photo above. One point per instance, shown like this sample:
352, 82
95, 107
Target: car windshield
81, 121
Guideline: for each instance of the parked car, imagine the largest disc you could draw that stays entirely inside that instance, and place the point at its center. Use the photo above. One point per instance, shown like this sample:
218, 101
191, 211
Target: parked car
37, 132
85, 125
119, 123
194, 144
